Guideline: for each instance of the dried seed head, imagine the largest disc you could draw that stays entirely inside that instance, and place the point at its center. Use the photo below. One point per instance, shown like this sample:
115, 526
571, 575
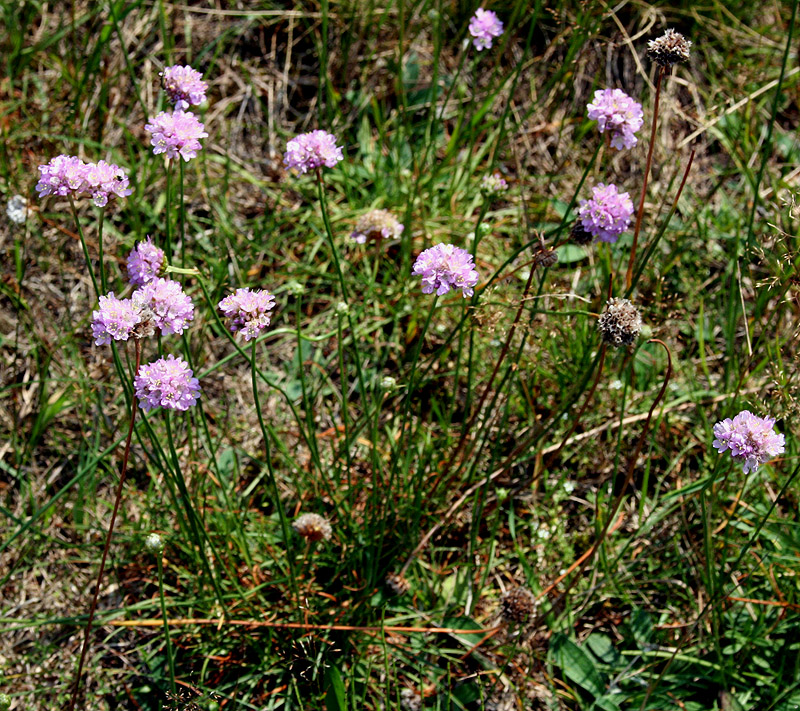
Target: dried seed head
580, 235
397, 584
671, 48
620, 323
312, 527
517, 605
545, 257
410, 699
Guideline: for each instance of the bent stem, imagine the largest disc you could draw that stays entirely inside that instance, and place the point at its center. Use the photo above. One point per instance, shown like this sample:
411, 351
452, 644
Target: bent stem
118, 497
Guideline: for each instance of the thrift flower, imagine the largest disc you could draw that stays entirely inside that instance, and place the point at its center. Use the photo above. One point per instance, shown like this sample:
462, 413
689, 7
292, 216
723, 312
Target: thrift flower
103, 179
607, 214
444, 267
184, 86
63, 175
484, 27
153, 543
751, 440
493, 185
167, 382
176, 134
144, 263
517, 605
312, 527
115, 319
248, 311
310, 151
620, 323
671, 48
617, 112
376, 224
172, 308
17, 209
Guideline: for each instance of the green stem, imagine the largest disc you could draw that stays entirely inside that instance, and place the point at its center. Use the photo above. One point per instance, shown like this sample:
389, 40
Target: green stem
100, 251
167, 640
85, 248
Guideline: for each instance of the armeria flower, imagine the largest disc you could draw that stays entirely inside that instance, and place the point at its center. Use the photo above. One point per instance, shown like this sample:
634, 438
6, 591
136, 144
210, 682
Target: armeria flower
172, 308
145, 262
494, 184
517, 605
751, 440
310, 151
484, 27
184, 86
376, 224
116, 319
248, 311
167, 382
17, 209
444, 267
312, 527
617, 112
176, 134
607, 214
620, 323
63, 175
671, 48
103, 179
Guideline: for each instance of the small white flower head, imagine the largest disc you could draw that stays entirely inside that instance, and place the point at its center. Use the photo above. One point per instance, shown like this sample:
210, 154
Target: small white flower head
153, 543
569, 486
17, 209
388, 382
5, 701
342, 309
543, 532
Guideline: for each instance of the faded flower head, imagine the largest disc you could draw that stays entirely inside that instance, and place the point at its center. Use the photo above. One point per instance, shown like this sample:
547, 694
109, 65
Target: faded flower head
607, 214
620, 323
444, 267
115, 320
310, 151
172, 308
671, 48
176, 134
153, 543
248, 311
545, 257
751, 440
410, 699
484, 26
517, 605
312, 527
397, 584
17, 209
104, 179
167, 382
184, 86
145, 262
617, 112
580, 235
494, 184
376, 224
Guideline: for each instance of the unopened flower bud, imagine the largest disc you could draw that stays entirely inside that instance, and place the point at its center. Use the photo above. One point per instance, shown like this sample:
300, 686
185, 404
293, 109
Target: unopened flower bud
153, 543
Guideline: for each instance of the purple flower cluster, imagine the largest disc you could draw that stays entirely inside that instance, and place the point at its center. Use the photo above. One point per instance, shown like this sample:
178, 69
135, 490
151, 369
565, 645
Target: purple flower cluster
115, 319
444, 267
172, 308
144, 263
167, 382
493, 184
617, 112
310, 151
184, 86
607, 214
176, 134
248, 311
752, 441
69, 175
484, 27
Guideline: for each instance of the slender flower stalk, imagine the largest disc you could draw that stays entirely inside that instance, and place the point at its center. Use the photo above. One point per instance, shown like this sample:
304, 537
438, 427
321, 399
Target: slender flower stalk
167, 640
85, 248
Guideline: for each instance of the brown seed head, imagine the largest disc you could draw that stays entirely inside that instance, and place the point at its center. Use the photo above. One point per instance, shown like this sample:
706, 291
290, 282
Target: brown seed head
312, 527
545, 257
397, 584
620, 323
517, 605
671, 48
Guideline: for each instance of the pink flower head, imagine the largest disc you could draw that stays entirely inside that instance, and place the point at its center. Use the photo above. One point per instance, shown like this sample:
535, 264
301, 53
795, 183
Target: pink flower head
617, 112
444, 267
172, 308
310, 151
63, 175
167, 382
607, 214
751, 440
484, 27
114, 320
494, 184
184, 86
176, 134
103, 179
249, 311
144, 263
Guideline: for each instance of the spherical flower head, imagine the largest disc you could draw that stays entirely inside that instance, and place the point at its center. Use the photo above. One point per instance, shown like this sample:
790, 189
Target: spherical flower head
444, 267
310, 151
115, 319
493, 185
176, 134
517, 605
153, 543
607, 214
620, 323
248, 311
376, 224
103, 179
388, 382
312, 527
167, 382
484, 26
671, 48
17, 209
144, 263
184, 86
752, 441
63, 175
618, 113
172, 308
